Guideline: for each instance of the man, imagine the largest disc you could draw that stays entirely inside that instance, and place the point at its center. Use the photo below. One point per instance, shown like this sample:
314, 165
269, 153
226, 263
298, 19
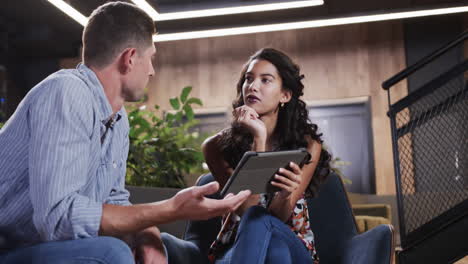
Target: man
63, 157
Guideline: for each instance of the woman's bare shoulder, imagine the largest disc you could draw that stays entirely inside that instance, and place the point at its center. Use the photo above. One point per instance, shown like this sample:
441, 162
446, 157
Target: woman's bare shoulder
212, 142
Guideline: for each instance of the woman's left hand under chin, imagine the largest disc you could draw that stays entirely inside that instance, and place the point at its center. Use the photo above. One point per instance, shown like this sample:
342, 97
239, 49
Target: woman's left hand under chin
248, 118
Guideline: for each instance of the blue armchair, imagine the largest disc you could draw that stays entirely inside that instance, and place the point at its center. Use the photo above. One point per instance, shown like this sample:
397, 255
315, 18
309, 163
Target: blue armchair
332, 221
336, 236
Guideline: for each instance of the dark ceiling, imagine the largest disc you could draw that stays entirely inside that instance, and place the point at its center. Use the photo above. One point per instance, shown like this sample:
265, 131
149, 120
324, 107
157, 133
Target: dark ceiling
37, 28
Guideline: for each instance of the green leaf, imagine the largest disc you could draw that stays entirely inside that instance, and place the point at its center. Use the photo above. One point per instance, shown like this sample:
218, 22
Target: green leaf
189, 112
161, 152
175, 103
170, 117
194, 101
179, 116
185, 92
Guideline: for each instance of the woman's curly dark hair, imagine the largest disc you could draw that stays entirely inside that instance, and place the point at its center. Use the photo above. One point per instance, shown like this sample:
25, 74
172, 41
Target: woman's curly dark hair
293, 125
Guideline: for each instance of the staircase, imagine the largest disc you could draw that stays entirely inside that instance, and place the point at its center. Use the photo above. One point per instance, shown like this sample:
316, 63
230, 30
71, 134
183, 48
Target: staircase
430, 151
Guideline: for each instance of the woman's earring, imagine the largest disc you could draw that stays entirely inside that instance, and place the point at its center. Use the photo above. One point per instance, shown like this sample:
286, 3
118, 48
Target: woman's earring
282, 105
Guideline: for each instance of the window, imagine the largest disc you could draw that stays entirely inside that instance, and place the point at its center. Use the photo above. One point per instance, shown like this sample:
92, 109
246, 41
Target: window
347, 133
211, 121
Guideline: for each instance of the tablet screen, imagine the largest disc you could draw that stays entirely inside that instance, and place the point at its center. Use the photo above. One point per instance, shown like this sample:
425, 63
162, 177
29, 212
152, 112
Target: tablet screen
256, 169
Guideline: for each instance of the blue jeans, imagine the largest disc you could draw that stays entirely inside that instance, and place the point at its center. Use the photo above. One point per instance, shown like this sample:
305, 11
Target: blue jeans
180, 251
263, 238
99, 250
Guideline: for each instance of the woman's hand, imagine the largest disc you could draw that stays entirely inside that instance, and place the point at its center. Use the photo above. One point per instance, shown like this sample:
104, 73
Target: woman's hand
248, 118
288, 180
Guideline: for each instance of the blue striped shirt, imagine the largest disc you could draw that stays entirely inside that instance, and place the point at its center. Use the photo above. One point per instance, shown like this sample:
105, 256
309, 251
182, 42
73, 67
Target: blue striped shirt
58, 164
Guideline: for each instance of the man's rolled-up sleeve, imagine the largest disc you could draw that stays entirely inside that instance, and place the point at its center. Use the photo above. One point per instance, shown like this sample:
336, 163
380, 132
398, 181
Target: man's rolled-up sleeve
119, 196
61, 125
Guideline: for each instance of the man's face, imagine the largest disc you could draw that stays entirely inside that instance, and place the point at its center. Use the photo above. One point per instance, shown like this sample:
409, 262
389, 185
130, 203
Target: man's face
138, 78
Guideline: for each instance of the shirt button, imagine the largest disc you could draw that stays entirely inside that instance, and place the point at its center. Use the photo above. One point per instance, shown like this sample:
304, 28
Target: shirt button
114, 164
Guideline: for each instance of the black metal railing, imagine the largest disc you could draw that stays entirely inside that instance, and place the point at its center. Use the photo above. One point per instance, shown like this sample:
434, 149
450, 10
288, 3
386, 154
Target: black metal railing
430, 146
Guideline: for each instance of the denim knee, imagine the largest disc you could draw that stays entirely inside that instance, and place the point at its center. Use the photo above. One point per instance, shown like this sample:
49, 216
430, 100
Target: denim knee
256, 217
181, 251
255, 212
113, 250
278, 252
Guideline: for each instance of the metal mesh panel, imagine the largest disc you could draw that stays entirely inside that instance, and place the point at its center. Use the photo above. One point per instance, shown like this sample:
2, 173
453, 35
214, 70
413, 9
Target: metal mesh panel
433, 153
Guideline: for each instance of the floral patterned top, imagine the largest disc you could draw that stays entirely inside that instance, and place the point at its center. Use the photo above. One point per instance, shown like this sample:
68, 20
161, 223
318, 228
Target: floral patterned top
298, 222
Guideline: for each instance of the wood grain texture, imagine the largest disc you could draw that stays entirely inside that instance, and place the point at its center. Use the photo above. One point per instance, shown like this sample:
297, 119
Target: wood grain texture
338, 62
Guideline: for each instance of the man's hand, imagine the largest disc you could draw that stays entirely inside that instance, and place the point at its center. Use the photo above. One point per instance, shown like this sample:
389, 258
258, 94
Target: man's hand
188, 204
192, 204
149, 247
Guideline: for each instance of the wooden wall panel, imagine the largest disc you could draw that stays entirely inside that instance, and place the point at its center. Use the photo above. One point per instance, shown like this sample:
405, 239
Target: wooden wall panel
338, 62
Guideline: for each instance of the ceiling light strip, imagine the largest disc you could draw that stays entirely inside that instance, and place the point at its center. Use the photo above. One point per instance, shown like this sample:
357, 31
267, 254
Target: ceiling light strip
236, 10
70, 11
305, 24
147, 8
81, 19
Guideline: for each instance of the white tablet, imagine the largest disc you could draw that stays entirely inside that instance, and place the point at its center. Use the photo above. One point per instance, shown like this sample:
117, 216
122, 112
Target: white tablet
256, 170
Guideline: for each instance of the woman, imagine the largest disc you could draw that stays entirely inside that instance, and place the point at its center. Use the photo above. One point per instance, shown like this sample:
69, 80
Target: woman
268, 115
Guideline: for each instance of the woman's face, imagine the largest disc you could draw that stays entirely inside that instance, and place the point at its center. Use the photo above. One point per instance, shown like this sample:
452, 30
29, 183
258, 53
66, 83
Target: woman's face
262, 88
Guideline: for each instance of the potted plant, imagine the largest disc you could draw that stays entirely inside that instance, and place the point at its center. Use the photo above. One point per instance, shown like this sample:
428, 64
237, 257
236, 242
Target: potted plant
162, 150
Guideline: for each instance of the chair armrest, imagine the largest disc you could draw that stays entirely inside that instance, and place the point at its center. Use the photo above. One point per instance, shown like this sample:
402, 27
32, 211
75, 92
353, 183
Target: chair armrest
365, 222
375, 246
382, 210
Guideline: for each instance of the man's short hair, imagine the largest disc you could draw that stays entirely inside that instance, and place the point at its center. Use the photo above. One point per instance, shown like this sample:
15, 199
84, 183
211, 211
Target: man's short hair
113, 27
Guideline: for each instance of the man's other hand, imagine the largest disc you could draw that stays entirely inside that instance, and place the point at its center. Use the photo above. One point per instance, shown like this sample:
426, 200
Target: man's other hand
149, 247
192, 204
